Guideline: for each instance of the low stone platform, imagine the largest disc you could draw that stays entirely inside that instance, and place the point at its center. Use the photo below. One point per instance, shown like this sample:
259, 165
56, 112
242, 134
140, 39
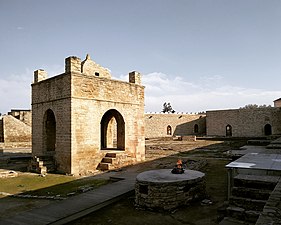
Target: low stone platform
162, 190
7, 173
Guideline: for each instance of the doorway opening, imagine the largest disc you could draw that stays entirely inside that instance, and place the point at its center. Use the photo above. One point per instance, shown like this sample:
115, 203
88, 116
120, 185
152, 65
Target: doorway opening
196, 128
49, 133
267, 129
112, 131
169, 130
228, 131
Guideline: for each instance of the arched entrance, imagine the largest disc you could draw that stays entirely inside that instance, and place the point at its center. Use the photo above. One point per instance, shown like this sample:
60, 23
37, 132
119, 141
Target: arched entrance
49, 132
169, 130
267, 129
112, 130
196, 128
228, 130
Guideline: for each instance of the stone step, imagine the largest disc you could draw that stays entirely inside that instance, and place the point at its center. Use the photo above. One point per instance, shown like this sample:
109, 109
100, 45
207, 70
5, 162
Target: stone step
247, 203
274, 146
242, 215
103, 166
44, 158
252, 193
237, 215
236, 212
232, 221
110, 155
46, 163
252, 216
254, 181
107, 160
38, 164
258, 142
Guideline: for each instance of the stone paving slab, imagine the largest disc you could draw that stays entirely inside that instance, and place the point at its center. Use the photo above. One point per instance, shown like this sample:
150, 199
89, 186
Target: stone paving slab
248, 149
76, 206
258, 161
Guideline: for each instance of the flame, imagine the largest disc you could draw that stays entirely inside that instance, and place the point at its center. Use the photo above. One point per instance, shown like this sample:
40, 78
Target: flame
179, 163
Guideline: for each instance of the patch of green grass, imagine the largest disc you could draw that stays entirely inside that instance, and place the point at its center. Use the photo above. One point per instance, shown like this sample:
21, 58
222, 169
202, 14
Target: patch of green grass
49, 185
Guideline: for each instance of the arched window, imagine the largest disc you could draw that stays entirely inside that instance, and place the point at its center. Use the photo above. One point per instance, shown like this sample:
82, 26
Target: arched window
228, 130
267, 129
49, 132
112, 130
196, 128
169, 130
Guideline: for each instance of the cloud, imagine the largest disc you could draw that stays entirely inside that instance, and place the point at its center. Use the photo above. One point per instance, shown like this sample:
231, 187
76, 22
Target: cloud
15, 89
15, 92
209, 93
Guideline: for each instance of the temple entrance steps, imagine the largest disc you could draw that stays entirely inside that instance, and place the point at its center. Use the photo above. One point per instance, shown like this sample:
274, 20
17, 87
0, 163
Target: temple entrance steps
42, 164
249, 195
114, 160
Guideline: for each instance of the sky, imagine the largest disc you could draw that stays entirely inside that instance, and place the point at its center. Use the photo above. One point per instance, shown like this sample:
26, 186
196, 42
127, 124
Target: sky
198, 55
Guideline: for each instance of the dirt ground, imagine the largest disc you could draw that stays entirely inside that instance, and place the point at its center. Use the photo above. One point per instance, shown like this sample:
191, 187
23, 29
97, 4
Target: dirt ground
207, 156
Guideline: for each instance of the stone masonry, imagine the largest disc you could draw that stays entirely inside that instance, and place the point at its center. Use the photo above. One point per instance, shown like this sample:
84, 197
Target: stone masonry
244, 122
81, 115
14, 133
165, 125
22, 115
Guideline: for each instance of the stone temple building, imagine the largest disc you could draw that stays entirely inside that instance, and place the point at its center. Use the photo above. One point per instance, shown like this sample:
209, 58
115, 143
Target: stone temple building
15, 129
84, 120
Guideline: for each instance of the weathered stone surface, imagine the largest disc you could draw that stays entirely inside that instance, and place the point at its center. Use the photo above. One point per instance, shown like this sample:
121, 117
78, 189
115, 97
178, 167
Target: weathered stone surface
156, 125
244, 122
162, 190
82, 105
15, 130
272, 210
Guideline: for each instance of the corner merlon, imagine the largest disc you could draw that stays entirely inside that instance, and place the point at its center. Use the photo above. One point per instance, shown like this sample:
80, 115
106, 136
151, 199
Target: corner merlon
73, 64
135, 77
40, 75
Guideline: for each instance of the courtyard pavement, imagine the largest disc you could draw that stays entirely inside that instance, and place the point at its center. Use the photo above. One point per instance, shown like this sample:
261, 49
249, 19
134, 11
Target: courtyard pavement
77, 206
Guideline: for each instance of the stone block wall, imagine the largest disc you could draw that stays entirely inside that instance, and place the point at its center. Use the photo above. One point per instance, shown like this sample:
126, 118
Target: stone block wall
92, 97
14, 130
277, 102
53, 94
22, 115
244, 122
1, 130
181, 124
79, 99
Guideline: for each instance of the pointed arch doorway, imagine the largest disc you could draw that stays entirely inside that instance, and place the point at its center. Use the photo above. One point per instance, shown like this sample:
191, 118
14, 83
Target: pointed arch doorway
49, 132
267, 130
228, 131
112, 131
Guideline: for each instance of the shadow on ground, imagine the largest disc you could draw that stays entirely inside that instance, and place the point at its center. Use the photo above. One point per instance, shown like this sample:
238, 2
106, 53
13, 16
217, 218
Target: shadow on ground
207, 156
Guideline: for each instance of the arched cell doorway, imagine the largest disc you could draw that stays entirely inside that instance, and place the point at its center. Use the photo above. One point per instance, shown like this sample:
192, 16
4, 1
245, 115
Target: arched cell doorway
49, 132
267, 129
112, 130
228, 131
196, 128
169, 130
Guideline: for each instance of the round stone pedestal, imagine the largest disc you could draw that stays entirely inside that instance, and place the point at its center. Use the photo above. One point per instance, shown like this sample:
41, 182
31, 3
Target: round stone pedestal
162, 190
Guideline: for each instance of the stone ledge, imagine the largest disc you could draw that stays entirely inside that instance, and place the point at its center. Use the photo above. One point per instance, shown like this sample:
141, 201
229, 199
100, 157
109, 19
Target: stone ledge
272, 210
